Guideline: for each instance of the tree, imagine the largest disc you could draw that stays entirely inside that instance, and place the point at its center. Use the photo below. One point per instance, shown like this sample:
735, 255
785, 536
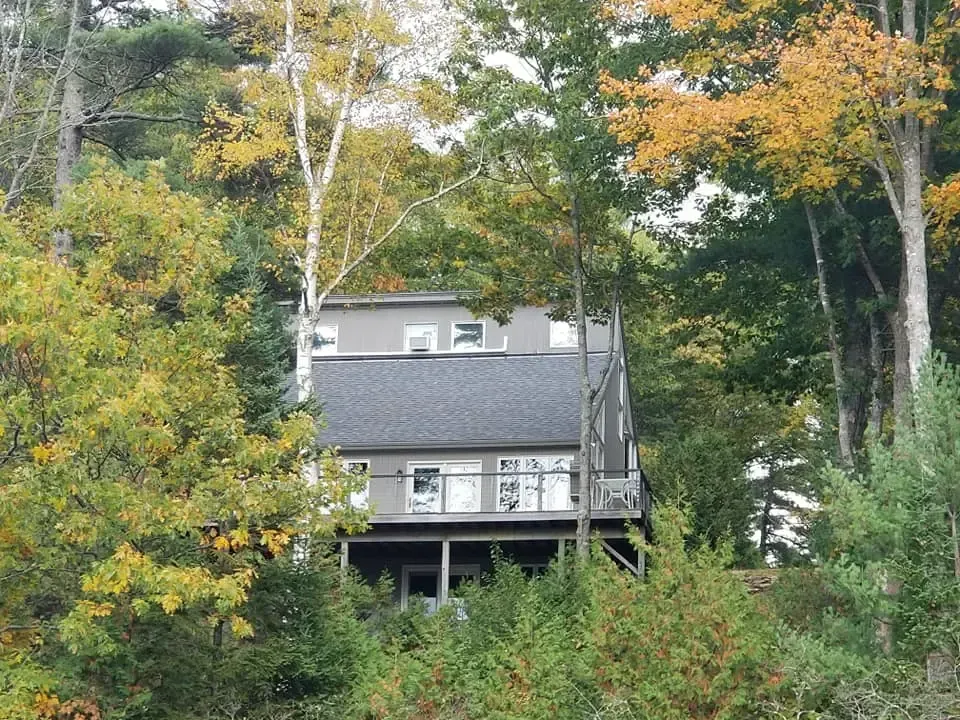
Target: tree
687, 642
345, 188
896, 526
554, 214
812, 99
131, 488
80, 69
591, 641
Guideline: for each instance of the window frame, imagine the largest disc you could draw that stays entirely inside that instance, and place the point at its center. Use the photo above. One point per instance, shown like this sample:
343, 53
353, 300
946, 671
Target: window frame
483, 334
523, 474
444, 474
468, 569
319, 352
436, 335
573, 329
537, 569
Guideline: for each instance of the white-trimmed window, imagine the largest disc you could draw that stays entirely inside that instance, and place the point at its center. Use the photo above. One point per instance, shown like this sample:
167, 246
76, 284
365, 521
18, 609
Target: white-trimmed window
420, 336
423, 582
469, 335
325, 340
533, 483
562, 334
359, 499
434, 487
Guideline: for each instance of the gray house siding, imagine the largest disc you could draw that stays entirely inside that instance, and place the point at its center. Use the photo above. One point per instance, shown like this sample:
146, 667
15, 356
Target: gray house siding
366, 328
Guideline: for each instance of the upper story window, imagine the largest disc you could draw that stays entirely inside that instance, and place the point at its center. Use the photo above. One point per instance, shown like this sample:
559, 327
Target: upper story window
420, 336
467, 336
325, 340
562, 334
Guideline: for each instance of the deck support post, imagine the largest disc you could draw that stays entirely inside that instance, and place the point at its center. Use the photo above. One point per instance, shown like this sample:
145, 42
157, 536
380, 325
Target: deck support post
444, 571
562, 554
617, 555
344, 556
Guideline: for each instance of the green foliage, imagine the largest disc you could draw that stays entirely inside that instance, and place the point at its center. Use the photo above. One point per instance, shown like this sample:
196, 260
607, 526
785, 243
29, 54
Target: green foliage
707, 472
687, 642
894, 528
554, 189
133, 497
263, 356
303, 661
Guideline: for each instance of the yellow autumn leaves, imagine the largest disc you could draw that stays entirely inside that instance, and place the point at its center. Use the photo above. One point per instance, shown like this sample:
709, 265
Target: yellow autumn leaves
121, 426
808, 107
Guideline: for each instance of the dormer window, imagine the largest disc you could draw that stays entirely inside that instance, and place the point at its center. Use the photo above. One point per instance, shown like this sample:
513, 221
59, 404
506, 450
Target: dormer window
563, 334
420, 337
467, 336
325, 340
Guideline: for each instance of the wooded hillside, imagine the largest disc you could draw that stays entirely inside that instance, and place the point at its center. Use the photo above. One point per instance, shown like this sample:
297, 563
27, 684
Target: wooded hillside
769, 193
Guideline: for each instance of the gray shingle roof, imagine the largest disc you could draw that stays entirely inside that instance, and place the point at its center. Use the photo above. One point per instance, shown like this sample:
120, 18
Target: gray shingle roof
462, 400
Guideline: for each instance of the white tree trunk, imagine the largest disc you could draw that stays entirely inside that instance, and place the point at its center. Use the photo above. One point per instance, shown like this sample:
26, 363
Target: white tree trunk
317, 189
913, 232
833, 345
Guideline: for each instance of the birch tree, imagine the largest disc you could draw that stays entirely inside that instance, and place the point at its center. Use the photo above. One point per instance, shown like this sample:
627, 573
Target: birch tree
335, 111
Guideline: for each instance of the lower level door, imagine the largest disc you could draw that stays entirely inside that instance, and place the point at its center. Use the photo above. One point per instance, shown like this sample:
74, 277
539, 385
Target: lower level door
423, 582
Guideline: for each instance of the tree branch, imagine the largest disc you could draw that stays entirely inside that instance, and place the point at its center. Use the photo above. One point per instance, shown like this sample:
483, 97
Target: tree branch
895, 202
120, 115
397, 224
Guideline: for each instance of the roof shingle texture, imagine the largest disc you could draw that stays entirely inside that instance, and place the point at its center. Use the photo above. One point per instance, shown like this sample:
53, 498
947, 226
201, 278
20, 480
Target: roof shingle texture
460, 400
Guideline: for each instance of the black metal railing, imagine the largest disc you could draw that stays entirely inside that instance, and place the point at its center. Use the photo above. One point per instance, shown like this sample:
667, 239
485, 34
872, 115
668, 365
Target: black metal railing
426, 491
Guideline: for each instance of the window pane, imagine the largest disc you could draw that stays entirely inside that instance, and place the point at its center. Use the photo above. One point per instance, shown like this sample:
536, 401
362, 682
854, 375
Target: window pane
532, 481
562, 334
325, 340
467, 335
423, 586
420, 330
509, 486
556, 484
463, 493
426, 490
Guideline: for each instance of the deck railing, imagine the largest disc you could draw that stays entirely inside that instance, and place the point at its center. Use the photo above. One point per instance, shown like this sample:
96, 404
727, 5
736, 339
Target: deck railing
507, 492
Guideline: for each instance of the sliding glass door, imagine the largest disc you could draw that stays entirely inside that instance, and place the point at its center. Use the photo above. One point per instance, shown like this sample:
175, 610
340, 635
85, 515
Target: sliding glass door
444, 487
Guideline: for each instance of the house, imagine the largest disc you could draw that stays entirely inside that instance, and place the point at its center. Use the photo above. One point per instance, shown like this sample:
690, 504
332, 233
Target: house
468, 431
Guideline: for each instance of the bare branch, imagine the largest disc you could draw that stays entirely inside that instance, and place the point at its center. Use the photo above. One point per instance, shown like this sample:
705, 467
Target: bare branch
896, 204
119, 115
397, 224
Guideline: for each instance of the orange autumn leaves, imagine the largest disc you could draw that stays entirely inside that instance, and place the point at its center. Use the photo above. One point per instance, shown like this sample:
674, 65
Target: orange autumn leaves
808, 106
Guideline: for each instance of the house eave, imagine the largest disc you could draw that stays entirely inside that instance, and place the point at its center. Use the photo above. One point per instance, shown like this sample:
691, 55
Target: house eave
456, 445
